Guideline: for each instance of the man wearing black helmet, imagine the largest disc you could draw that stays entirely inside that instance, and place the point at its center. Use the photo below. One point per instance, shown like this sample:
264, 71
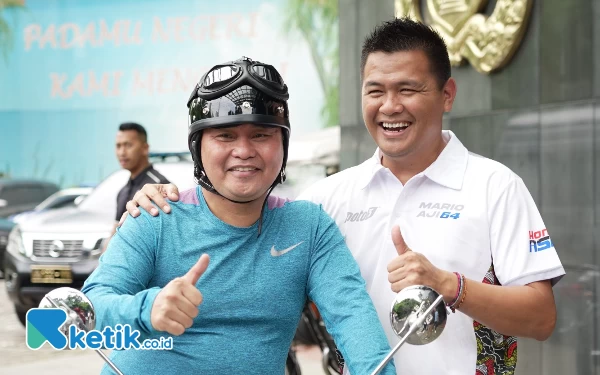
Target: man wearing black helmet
228, 272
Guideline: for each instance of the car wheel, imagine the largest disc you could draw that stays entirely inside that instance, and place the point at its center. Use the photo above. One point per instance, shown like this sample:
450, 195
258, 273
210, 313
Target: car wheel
22, 314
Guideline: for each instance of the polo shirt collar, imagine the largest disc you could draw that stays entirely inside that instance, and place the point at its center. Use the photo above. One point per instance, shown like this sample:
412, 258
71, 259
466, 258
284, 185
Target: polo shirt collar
140, 176
450, 166
447, 170
369, 168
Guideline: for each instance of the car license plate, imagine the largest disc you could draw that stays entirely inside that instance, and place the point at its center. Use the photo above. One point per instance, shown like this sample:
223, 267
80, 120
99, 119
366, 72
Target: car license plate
51, 274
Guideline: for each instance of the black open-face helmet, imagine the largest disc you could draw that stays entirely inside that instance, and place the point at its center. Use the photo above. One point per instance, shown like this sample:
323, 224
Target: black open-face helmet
234, 93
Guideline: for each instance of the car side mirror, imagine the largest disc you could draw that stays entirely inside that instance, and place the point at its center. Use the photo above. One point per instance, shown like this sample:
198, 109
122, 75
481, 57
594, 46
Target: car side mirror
79, 199
3, 203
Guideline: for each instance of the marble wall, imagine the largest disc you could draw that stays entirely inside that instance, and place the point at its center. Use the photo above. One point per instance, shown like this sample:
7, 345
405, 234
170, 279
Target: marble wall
540, 116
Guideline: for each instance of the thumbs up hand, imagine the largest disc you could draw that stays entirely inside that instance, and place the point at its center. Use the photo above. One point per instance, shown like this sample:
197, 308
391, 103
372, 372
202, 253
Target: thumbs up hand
176, 306
398, 240
412, 268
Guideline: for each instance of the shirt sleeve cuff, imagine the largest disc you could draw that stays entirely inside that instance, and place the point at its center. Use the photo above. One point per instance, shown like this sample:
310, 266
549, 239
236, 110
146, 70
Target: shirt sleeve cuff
554, 275
146, 310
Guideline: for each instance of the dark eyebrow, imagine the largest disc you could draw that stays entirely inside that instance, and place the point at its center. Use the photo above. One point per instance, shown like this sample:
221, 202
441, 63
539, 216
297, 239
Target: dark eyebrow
406, 82
372, 83
409, 82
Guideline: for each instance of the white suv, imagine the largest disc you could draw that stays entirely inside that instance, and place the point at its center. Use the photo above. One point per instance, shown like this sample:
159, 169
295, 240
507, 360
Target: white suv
61, 247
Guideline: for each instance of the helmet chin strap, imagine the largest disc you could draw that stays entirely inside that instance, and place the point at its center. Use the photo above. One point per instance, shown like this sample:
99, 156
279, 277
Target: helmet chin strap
205, 183
202, 179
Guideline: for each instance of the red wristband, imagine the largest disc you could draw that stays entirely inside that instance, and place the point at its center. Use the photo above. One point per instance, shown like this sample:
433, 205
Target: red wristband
458, 287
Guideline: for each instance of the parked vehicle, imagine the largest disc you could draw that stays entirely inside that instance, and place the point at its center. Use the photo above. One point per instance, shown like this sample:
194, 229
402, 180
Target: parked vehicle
5, 227
311, 158
61, 247
64, 198
22, 195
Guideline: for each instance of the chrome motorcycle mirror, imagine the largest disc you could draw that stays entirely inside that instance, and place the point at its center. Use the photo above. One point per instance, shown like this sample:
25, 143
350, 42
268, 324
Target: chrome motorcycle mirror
80, 312
418, 316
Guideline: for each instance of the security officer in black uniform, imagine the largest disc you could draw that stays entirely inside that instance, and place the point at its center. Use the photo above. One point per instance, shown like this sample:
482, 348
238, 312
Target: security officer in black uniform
132, 151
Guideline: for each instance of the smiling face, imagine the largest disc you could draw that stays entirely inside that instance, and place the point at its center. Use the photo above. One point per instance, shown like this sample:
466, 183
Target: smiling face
403, 105
242, 162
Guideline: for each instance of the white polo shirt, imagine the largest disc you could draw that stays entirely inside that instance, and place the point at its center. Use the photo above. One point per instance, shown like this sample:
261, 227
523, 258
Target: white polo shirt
465, 213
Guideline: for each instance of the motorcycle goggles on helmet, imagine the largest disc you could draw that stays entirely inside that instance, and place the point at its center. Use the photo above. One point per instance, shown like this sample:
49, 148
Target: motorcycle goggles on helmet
238, 92
224, 78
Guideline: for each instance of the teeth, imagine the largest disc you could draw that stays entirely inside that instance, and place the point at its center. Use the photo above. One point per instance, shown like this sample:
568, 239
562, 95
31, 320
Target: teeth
400, 125
247, 169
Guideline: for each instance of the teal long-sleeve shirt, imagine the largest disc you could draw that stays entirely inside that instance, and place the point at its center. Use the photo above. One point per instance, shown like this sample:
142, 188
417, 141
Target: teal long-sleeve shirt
253, 290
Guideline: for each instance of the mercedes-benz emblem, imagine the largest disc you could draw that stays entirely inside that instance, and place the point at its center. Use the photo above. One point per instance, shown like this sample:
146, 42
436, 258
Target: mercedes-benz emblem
55, 248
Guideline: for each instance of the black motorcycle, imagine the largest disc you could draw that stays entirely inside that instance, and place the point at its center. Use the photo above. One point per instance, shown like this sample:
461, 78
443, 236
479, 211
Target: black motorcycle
311, 331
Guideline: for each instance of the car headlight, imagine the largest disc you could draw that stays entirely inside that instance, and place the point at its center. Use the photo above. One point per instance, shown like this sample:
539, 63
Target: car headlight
15, 242
100, 247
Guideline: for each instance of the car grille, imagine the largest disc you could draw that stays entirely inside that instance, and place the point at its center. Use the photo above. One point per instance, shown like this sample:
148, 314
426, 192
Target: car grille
3, 240
53, 248
3, 243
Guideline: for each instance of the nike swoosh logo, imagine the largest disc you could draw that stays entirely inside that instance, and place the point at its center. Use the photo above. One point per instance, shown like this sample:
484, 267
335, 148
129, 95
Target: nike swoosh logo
278, 253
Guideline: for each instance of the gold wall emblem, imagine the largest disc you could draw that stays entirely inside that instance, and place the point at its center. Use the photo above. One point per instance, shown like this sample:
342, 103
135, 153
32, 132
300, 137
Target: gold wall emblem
487, 42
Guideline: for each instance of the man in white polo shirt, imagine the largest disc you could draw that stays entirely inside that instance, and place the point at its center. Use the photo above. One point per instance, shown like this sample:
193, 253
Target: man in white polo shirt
425, 211
462, 213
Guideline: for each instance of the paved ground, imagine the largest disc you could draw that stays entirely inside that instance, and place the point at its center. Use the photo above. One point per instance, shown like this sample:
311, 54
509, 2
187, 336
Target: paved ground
16, 358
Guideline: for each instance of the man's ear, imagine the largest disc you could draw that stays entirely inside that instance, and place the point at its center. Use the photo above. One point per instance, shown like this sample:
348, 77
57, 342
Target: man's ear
449, 91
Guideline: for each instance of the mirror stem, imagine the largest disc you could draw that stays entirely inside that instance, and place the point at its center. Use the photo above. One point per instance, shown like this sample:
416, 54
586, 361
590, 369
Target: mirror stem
108, 362
100, 353
413, 327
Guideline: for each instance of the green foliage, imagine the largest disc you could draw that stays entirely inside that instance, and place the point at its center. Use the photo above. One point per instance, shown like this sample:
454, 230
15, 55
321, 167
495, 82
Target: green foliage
75, 300
6, 34
406, 307
317, 21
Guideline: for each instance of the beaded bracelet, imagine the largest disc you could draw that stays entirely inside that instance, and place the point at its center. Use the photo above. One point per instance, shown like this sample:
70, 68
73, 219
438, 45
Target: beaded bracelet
461, 295
464, 294
459, 288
